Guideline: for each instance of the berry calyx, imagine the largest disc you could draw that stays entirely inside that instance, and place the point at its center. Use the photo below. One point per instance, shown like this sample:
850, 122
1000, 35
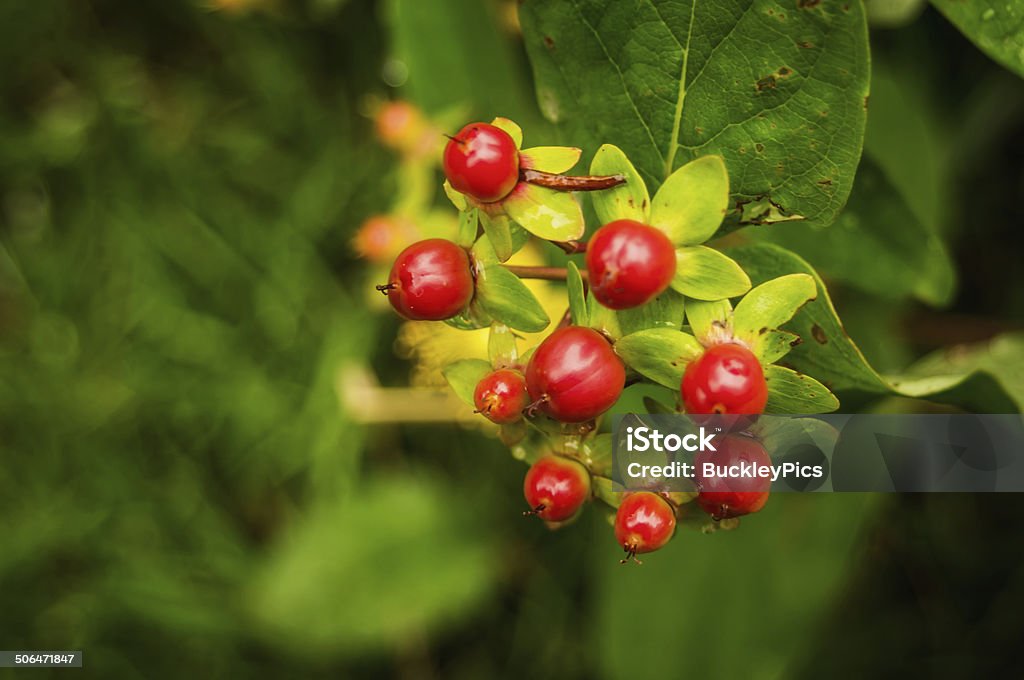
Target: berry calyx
724, 496
727, 378
644, 522
482, 161
629, 263
430, 280
556, 487
501, 396
574, 375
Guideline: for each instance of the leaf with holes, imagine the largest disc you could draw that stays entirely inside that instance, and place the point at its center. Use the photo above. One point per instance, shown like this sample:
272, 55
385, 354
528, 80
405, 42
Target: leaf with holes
777, 89
771, 304
710, 321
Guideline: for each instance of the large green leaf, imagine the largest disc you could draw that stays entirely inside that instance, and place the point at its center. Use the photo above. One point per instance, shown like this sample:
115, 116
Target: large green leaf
995, 26
878, 244
778, 90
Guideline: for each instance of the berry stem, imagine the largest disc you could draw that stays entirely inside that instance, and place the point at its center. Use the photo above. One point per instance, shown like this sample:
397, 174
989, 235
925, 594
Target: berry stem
543, 273
570, 183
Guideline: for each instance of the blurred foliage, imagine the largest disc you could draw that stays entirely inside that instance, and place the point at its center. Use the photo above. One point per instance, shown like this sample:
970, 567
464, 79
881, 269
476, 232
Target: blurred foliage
181, 489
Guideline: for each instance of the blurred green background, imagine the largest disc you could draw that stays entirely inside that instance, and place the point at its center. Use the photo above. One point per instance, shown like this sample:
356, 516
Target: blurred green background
183, 490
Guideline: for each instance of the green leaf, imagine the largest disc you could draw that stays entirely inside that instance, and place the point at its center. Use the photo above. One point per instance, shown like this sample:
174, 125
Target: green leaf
468, 223
995, 26
826, 352
690, 205
777, 89
602, 318
774, 344
710, 321
987, 377
877, 245
660, 354
771, 304
471, 319
556, 159
545, 213
790, 392
577, 298
664, 311
707, 274
628, 201
501, 346
463, 375
457, 199
511, 128
508, 300
499, 233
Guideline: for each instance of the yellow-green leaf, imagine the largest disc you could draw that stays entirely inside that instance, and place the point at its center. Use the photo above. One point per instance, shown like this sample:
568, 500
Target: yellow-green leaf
629, 201
707, 274
692, 202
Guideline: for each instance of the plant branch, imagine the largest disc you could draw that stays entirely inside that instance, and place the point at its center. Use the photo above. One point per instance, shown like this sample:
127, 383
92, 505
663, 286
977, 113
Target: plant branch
543, 273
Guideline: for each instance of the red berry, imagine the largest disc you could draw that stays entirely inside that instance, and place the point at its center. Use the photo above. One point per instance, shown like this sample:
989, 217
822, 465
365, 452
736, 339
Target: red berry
431, 280
727, 378
574, 375
501, 396
644, 522
725, 496
556, 487
482, 161
629, 263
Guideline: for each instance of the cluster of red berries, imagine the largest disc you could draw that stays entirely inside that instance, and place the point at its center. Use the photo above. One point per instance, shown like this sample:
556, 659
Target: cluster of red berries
556, 488
574, 375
